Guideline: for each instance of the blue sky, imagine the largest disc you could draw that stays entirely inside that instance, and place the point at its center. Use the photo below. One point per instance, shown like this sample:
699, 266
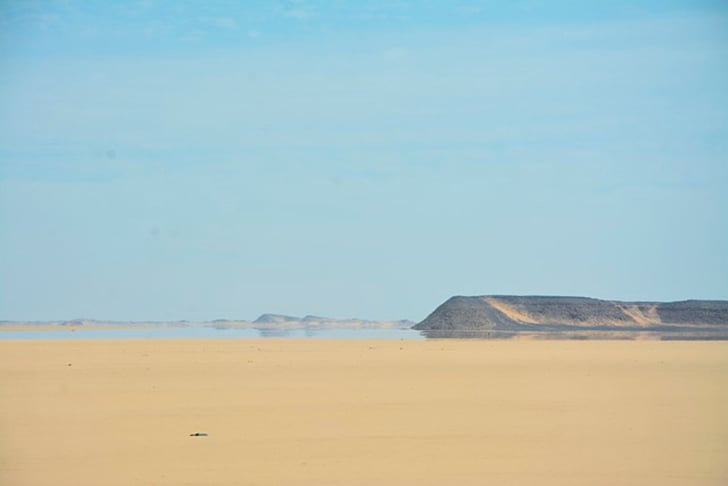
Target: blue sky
202, 160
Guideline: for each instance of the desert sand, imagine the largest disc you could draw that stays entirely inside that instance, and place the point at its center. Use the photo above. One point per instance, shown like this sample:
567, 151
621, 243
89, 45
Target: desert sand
317, 412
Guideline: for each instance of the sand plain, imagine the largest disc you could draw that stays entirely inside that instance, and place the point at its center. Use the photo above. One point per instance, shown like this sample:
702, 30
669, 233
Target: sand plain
354, 412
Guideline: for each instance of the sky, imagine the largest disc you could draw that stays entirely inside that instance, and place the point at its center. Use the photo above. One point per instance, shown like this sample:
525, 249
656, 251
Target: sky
164, 160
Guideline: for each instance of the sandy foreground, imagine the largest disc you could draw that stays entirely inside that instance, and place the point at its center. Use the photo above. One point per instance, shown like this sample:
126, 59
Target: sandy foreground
350, 412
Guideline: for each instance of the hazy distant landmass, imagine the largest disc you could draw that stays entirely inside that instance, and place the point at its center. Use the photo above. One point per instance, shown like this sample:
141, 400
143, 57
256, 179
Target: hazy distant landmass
265, 321
279, 321
508, 314
531, 313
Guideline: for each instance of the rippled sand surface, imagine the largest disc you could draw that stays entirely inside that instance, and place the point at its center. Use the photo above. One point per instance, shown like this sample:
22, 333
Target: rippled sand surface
357, 412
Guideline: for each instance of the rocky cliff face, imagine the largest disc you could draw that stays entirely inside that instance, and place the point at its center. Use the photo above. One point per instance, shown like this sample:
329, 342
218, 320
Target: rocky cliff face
506, 312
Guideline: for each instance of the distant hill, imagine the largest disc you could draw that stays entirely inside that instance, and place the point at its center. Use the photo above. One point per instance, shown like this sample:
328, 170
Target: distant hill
508, 312
265, 321
275, 319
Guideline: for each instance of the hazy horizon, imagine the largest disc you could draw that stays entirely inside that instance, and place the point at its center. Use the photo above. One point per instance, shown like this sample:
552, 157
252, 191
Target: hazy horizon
179, 160
311, 317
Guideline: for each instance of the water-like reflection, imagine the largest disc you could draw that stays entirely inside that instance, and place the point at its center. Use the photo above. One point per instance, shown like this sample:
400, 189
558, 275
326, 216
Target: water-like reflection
275, 333
450, 334
210, 332
698, 335
222, 332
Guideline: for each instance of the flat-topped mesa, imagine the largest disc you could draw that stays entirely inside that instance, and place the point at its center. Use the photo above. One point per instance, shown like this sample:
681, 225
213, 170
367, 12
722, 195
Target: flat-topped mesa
508, 312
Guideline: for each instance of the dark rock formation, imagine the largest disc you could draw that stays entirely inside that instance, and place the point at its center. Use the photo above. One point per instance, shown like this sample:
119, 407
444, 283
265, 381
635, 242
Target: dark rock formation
708, 312
511, 313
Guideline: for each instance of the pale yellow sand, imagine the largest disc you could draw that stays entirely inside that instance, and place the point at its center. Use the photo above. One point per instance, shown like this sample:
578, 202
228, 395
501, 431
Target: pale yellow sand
318, 412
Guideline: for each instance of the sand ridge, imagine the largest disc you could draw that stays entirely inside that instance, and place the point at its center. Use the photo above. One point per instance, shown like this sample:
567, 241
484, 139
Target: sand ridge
511, 311
644, 317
